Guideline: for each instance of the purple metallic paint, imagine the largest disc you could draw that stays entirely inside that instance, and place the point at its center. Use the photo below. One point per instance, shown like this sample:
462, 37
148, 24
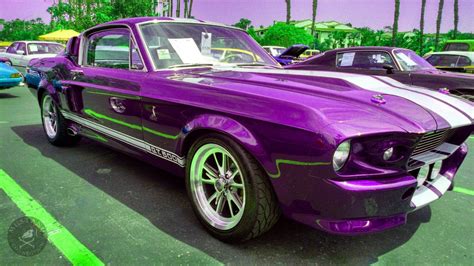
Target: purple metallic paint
274, 117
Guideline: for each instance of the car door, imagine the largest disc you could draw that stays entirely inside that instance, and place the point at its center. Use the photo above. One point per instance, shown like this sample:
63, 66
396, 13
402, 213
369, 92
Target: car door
371, 63
104, 90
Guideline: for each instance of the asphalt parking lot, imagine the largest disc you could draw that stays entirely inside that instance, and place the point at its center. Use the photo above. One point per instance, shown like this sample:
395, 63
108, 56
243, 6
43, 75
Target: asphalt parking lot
105, 207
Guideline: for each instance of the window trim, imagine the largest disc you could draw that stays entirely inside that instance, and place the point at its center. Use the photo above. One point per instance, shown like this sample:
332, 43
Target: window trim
85, 42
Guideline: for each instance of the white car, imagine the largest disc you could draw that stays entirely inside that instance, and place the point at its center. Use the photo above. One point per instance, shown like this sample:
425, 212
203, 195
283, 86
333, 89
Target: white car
274, 50
20, 53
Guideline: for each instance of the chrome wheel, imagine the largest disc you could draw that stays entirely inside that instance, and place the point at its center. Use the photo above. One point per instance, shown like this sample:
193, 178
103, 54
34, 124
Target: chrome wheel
50, 117
217, 186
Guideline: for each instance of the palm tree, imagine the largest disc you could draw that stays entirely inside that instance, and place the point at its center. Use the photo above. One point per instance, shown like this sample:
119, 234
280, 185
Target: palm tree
170, 8
178, 8
395, 22
438, 22
190, 8
186, 8
422, 23
315, 8
288, 11
456, 18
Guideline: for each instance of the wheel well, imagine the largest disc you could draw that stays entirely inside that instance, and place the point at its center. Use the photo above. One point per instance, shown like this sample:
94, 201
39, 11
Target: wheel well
40, 94
195, 135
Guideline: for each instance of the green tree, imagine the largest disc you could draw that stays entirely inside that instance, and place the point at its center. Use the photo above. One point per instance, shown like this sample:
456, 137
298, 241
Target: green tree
288, 11
438, 23
243, 24
422, 25
456, 17
313, 16
17, 29
396, 15
283, 34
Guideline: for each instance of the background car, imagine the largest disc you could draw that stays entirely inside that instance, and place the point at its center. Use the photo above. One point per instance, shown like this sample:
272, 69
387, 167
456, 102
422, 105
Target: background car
309, 53
274, 50
402, 65
9, 76
253, 139
21, 52
459, 45
291, 55
4, 46
452, 61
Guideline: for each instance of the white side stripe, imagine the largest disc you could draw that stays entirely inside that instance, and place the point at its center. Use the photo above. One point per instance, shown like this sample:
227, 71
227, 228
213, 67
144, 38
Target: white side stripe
454, 117
132, 141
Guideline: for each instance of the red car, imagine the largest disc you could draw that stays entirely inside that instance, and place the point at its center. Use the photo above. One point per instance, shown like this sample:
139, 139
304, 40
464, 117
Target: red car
399, 64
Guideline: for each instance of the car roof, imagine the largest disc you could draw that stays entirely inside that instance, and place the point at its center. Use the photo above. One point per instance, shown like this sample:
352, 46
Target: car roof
468, 54
366, 48
137, 20
461, 41
27, 42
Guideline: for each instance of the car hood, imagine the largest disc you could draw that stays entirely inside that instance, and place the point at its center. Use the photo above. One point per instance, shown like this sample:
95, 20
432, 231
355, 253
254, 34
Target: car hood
294, 51
356, 103
6, 70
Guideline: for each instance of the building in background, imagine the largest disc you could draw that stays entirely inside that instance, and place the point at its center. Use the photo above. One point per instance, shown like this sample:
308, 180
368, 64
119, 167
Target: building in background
325, 31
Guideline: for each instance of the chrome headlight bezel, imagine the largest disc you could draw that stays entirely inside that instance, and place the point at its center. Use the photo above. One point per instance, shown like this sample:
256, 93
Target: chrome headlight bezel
341, 155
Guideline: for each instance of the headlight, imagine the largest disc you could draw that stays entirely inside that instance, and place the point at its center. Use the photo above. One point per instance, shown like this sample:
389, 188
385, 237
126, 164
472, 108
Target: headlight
387, 154
15, 75
341, 155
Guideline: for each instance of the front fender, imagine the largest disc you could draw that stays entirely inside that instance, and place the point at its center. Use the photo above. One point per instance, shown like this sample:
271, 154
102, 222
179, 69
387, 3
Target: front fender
220, 124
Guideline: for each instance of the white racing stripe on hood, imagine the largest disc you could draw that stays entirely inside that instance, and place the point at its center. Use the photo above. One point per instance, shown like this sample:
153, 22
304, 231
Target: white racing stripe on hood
454, 117
459, 104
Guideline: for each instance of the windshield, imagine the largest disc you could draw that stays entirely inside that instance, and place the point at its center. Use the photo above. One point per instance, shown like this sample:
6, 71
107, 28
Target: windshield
44, 48
185, 44
410, 61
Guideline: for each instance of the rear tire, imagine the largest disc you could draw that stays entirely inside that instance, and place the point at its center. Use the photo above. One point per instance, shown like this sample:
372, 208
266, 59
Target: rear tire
230, 193
54, 124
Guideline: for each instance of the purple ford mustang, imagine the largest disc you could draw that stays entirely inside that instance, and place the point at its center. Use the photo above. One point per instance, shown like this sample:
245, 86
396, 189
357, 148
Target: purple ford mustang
344, 153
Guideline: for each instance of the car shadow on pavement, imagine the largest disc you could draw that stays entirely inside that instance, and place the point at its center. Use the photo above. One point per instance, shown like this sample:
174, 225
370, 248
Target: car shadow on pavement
161, 198
7, 95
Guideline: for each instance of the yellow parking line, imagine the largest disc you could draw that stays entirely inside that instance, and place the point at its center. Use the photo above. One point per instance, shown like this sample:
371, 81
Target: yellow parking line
58, 235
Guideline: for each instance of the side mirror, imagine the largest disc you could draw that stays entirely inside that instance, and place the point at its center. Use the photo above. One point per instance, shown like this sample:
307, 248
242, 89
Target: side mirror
20, 52
72, 48
390, 69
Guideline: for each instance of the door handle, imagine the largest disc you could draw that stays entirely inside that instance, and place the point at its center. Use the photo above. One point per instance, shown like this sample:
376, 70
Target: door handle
117, 105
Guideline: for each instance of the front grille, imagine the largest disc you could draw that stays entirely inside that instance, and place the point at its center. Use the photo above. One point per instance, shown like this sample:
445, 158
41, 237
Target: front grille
429, 141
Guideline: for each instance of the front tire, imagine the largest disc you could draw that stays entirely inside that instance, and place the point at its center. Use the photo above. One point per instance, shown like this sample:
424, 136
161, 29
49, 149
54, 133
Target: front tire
54, 124
230, 193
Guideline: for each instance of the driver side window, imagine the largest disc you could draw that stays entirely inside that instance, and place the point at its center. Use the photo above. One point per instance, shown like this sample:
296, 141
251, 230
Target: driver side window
109, 49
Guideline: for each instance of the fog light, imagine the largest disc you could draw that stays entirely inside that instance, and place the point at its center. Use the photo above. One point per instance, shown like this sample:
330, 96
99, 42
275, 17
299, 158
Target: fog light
388, 153
340, 155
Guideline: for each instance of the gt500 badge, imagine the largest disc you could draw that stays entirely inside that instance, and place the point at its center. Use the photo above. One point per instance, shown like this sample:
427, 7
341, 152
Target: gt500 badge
167, 155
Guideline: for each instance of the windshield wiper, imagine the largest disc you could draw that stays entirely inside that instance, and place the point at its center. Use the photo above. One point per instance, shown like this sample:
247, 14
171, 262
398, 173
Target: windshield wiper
191, 65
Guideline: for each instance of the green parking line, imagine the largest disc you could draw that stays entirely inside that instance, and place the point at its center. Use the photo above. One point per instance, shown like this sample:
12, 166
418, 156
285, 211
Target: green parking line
58, 235
464, 191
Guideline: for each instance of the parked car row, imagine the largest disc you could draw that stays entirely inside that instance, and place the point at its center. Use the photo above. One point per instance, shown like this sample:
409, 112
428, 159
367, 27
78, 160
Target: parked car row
351, 148
20, 53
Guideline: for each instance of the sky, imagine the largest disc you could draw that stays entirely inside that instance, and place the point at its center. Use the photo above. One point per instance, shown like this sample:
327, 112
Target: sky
371, 13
